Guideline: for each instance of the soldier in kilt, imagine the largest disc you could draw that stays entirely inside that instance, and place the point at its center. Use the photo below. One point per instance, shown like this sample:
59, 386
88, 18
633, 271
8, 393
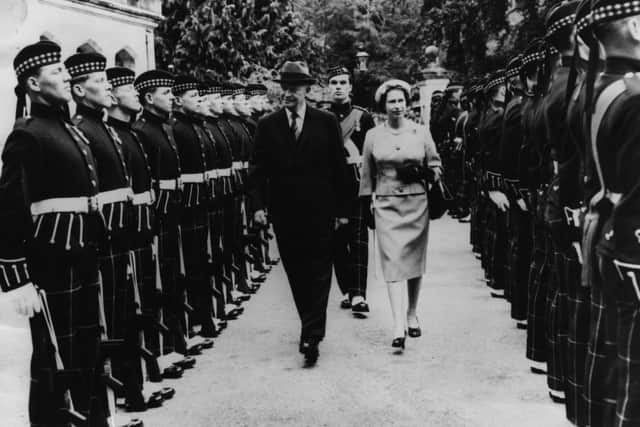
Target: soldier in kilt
577, 186
140, 229
192, 148
222, 187
156, 136
351, 241
92, 94
519, 224
50, 245
489, 137
615, 154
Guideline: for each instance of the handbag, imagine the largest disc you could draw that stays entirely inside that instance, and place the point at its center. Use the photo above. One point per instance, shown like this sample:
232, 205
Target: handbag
439, 198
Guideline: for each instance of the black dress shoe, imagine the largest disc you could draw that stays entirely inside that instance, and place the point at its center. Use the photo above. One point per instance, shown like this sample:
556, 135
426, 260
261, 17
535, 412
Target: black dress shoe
345, 304
311, 353
173, 372
521, 325
194, 350
167, 392
361, 307
557, 399
186, 363
155, 400
207, 343
538, 371
274, 261
136, 422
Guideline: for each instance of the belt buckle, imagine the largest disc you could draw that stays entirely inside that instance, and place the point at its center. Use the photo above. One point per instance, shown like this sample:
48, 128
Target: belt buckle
179, 184
92, 204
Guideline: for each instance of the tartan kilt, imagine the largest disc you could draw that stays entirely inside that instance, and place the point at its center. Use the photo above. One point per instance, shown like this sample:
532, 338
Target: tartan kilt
351, 254
619, 280
556, 324
601, 374
194, 225
577, 340
73, 288
538, 282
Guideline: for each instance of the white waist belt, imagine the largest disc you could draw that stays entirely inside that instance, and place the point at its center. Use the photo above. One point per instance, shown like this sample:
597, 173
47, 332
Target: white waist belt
145, 198
168, 184
354, 160
245, 165
236, 165
211, 174
192, 178
115, 196
224, 172
80, 204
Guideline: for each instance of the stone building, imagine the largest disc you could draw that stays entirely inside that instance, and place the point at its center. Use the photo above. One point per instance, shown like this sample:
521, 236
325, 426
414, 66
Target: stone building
121, 30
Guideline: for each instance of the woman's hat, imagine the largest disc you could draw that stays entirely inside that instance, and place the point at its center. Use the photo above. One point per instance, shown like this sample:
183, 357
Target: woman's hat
391, 84
295, 72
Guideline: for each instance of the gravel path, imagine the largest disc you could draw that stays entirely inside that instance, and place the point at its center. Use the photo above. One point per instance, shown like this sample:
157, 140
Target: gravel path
468, 368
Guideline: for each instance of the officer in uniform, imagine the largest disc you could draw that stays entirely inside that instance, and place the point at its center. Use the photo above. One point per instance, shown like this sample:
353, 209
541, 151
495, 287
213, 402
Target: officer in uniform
352, 239
192, 149
50, 231
450, 150
470, 154
612, 255
92, 94
156, 136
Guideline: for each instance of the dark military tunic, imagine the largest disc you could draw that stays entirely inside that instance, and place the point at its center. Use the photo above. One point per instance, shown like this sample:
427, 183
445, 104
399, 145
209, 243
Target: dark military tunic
45, 157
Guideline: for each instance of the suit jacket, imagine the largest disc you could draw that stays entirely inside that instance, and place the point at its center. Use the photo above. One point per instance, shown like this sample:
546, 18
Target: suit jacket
304, 178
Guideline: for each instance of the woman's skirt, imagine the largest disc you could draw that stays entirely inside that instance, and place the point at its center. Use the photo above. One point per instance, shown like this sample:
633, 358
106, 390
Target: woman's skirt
402, 228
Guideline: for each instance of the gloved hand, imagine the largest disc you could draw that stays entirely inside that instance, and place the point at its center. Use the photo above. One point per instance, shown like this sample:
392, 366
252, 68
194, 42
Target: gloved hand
367, 212
410, 172
499, 199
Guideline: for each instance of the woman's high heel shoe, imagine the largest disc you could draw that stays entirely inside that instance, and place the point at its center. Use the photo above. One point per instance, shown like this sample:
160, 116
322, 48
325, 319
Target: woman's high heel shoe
399, 342
415, 332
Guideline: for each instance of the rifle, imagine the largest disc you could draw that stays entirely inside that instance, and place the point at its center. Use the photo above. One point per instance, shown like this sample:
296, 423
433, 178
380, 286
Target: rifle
68, 412
108, 348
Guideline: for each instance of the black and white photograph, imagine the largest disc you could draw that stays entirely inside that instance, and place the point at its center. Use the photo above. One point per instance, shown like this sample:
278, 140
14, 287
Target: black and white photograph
320, 213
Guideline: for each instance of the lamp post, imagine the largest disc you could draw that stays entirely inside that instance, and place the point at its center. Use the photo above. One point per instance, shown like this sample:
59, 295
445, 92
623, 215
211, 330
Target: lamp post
362, 58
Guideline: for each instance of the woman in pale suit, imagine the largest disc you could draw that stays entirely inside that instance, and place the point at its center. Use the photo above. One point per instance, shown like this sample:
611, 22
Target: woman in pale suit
400, 160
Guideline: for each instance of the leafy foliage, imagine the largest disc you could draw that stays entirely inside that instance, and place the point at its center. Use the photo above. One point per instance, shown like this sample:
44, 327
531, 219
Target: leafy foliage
231, 37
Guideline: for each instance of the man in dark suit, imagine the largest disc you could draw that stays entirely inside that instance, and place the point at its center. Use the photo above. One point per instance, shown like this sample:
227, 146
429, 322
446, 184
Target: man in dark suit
298, 160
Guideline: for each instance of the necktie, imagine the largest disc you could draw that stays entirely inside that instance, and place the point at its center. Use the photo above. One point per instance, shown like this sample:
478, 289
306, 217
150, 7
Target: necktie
294, 124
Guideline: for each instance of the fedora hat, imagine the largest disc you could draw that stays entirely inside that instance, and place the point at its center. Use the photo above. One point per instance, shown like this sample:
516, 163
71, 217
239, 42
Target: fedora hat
295, 72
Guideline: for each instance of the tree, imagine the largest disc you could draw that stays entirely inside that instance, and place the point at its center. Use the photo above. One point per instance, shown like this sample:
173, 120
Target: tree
231, 37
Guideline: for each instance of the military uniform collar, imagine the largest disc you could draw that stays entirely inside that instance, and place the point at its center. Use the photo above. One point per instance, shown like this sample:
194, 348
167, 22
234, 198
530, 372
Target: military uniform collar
341, 110
154, 118
121, 124
179, 115
621, 65
48, 111
83, 110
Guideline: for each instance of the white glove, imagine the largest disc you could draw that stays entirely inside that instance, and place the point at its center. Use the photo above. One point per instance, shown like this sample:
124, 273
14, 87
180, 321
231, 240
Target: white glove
499, 199
25, 300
